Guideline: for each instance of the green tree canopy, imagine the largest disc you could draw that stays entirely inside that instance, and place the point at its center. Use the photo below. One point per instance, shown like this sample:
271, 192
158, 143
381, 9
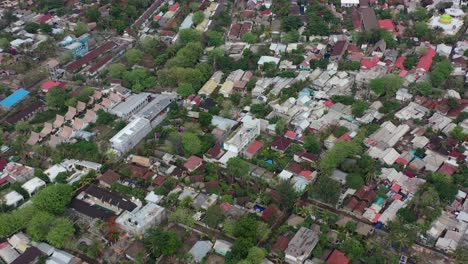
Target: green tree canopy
359, 107
190, 143
39, 226
354, 181
116, 70
188, 35
93, 15
237, 167
56, 98
161, 242
185, 90
288, 195
214, 216
80, 29
387, 85
134, 56
440, 72
61, 232
312, 144
424, 88
198, 17
205, 119
326, 190
53, 199
214, 38
249, 37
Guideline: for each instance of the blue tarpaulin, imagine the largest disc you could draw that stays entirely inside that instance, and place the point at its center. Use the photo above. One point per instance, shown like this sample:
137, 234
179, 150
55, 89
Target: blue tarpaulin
14, 98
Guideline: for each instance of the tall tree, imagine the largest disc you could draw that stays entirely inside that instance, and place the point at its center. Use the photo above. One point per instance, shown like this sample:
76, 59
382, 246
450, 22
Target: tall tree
161, 242
237, 168
39, 226
190, 143
61, 232
54, 199
288, 195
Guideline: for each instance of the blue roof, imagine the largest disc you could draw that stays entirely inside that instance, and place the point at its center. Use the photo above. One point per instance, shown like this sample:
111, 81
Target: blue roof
14, 98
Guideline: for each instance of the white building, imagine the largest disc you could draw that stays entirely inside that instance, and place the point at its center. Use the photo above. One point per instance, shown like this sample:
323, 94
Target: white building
131, 105
137, 222
130, 135
33, 185
302, 244
54, 171
243, 135
348, 3
12, 198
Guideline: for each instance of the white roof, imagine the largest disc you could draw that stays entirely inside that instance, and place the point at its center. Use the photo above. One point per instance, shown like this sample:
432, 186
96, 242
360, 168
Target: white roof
390, 155
142, 217
222, 123
153, 198
33, 184
266, 59
391, 211
130, 130
12, 198
463, 216
355, 2
222, 245
285, 175
60, 257
226, 157
53, 171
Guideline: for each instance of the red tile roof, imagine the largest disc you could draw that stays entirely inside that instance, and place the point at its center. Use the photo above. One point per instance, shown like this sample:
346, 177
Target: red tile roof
159, 180
281, 244
246, 27
401, 160
235, 29
425, 62
337, 257
193, 163
294, 168
43, 19
281, 143
254, 147
99, 64
387, 24
109, 177
328, 103
399, 63
367, 64
447, 169
290, 134
51, 84
174, 7
3, 164
197, 178
339, 48
360, 207
309, 156
247, 13
138, 171
307, 174
395, 188
351, 203
345, 137
90, 56
212, 184
225, 206
270, 211
214, 151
